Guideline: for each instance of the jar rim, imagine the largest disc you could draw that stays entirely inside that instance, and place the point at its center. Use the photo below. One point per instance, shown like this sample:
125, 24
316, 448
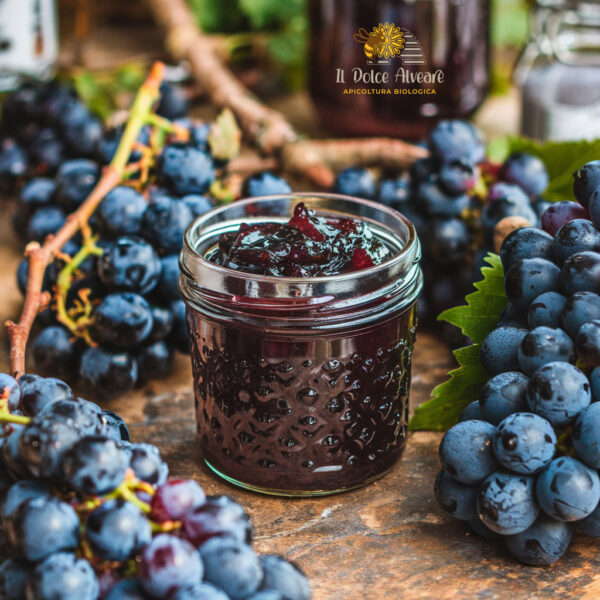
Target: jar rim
411, 245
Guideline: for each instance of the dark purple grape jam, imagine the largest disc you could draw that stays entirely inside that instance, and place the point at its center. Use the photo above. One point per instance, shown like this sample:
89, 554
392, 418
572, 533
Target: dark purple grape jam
301, 378
306, 246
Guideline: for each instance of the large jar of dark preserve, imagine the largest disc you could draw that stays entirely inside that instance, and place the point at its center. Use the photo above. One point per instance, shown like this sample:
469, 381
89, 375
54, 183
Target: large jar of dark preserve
395, 67
301, 383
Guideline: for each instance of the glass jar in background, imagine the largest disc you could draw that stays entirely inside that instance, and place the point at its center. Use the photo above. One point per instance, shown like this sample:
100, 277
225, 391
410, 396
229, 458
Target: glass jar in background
301, 384
28, 40
559, 72
437, 68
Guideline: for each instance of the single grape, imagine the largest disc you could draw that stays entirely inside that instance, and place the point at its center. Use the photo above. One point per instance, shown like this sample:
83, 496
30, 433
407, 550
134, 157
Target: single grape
231, 566
162, 324
120, 213
154, 361
559, 213
471, 412
185, 169
169, 276
578, 235
75, 180
581, 273
528, 278
594, 206
456, 140
546, 310
117, 530
421, 169
218, 516
108, 373
63, 576
526, 242
590, 525
586, 435
558, 391
448, 241
524, 443
173, 103
568, 490
55, 351
394, 193
587, 343
594, 378
180, 336
168, 563
353, 182
466, 451
502, 395
544, 345
39, 392
457, 177
164, 222
41, 526
455, 498
11, 454
436, 203
505, 200
580, 308
499, 349
14, 575
116, 427
506, 502
541, 544
77, 413
585, 181
198, 204
284, 577
526, 171
147, 464
174, 498
45, 221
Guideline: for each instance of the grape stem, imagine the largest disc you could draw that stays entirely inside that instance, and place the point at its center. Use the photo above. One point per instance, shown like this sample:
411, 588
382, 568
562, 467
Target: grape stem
40, 256
266, 128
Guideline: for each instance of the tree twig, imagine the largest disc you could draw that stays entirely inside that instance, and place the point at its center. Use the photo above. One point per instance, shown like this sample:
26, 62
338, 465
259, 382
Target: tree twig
39, 257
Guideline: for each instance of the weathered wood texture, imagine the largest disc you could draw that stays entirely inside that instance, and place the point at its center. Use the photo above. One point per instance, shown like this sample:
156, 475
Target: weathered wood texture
383, 542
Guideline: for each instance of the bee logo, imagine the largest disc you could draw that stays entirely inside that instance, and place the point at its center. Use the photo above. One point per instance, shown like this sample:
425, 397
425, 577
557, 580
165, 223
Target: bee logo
383, 42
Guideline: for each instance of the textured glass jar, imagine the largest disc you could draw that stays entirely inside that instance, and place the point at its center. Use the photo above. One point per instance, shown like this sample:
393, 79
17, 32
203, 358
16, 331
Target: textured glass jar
441, 71
301, 384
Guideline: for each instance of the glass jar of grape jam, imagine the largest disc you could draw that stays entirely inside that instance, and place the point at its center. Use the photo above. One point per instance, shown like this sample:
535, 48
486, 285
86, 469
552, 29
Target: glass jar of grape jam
301, 375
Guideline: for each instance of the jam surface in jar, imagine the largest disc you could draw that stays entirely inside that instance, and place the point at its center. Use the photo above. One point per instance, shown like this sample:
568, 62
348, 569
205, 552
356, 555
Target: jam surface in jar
306, 246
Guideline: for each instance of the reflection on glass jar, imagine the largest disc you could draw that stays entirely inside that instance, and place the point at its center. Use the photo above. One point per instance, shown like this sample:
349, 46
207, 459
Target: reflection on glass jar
301, 384
404, 63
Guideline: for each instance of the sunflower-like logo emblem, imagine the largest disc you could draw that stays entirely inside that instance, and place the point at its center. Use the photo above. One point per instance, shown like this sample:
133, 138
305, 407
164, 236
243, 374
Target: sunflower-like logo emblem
392, 40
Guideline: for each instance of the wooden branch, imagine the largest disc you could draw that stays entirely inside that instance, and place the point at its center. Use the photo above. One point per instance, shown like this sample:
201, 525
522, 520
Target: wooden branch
39, 257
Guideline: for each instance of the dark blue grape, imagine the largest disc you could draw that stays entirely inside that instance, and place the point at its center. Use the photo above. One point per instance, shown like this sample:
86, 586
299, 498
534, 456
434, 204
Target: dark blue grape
457, 177
526, 242
122, 320
120, 213
585, 181
456, 140
129, 264
162, 324
541, 544
506, 502
185, 169
169, 563
590, 525
127, 589
594, 206
45, 221
435, 202
231, 566
587, 343
83, 136
526, 171
511, 317
75, 180
180, 336
578, 235
116, 428
544, 345
80, 413
201, 591
528, 278
394, 193
63, 576
580, 308
350, 182
581, 273
594, 378
502, 395
199, 132
13, 163
284, 577
483, 531
586, 435
169, 276
198, 204
39, 392
117, 530
11, 454
499, 349
173, 103
268, 184
558, 392
19, 492
94, 466
466, 451
154, 361
164, 223
108, 373
471, 412
147, 464
546, 310
455, 498
42, 526
505, 200
568, 490
448, 240
540, 206
54, 350
38, 192
10, 390
524, 443
14, 575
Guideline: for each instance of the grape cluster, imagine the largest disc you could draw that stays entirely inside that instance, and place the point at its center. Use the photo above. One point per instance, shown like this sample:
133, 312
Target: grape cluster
85, 513
523, 460
455, 198
118, 319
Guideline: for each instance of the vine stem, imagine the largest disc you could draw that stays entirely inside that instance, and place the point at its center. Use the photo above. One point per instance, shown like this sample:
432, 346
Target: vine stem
40, 256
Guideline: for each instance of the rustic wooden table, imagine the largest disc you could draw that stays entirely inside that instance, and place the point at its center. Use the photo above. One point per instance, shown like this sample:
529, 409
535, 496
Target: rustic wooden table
386, 541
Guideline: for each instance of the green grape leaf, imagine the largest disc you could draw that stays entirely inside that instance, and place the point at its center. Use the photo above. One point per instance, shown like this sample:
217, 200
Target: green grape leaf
225, 137
475, 319
562, 159
268, 13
